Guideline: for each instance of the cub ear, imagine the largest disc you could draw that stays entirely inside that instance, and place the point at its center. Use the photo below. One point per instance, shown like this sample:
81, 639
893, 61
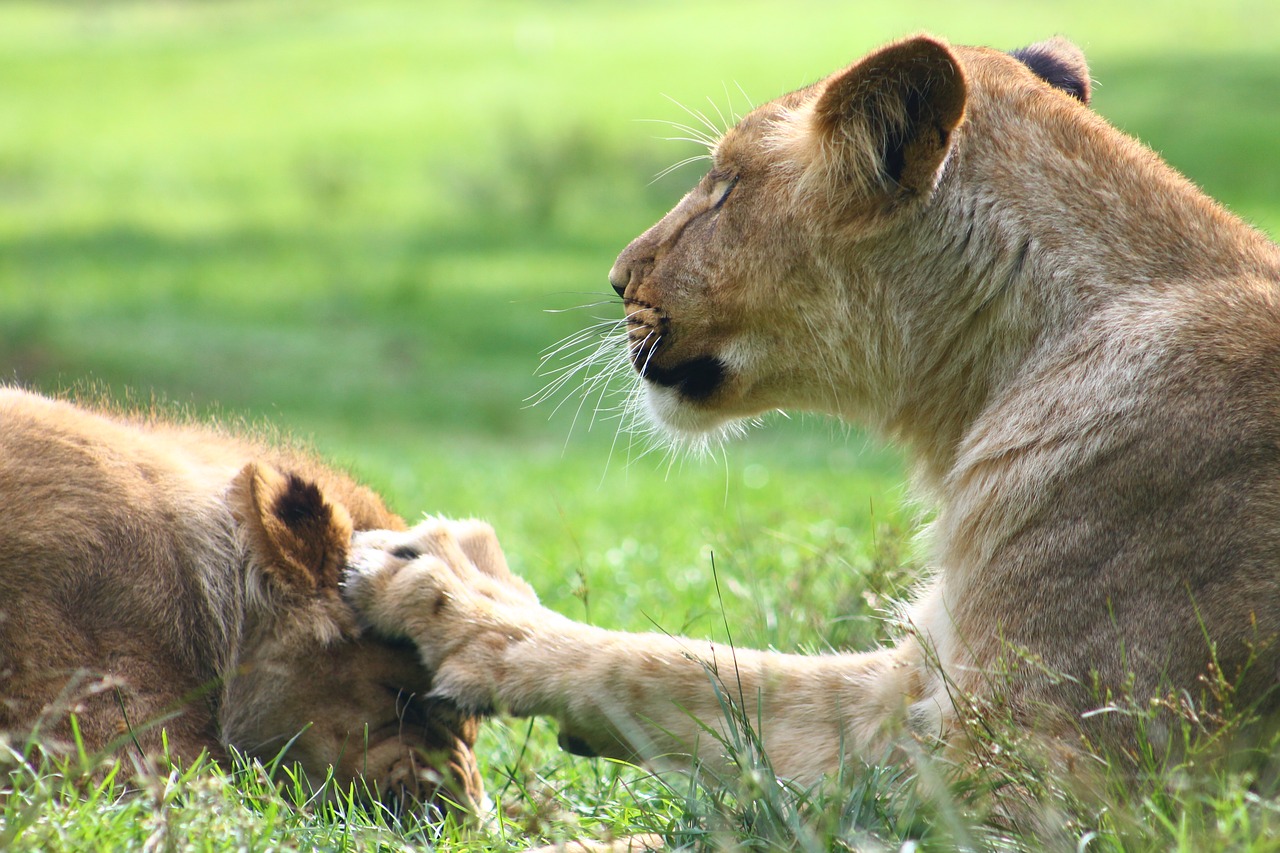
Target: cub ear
298, 537
889, 117
1059, 63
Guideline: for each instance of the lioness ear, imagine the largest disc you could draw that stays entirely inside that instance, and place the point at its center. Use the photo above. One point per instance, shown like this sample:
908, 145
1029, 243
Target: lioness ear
298, 537
891, 115
1059, 63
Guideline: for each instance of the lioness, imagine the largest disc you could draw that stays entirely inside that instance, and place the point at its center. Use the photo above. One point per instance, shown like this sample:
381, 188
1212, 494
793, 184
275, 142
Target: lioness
1080, 349
156, 577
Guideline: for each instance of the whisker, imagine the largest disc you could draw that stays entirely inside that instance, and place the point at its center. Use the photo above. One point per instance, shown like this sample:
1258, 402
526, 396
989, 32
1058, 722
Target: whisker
615, 301
627, 356
685, 162
614, 350
565, 375
597, 323
745, 97
581, 337
699, 142
599, 406
644, 368
589, 353
724, 123
590, 381
698, 114
696, 135
575, 342
694, 131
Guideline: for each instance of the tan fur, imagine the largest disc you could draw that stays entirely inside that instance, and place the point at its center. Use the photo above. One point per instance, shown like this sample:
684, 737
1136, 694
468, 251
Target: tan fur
156, 577
1080, 350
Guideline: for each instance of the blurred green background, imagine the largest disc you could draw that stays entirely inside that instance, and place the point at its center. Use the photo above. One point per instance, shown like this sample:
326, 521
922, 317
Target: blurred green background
360, 222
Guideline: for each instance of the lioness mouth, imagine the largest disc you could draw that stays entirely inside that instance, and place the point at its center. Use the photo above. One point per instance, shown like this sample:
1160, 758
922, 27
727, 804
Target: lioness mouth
695, 379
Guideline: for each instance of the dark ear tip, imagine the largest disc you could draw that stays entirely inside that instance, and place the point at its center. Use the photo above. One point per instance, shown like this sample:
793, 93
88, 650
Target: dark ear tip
297, 535
300, 502
1060, 63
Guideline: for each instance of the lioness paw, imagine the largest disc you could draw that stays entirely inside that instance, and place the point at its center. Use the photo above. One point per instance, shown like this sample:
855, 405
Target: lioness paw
389, 587
468, 548
478, 541
444, 585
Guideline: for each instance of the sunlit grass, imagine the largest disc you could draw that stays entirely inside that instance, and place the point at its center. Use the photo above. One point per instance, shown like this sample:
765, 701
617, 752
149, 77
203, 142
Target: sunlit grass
350, 219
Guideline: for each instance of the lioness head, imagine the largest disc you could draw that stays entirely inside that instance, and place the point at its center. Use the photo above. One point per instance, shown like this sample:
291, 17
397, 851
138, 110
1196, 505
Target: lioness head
310, 687
798, 273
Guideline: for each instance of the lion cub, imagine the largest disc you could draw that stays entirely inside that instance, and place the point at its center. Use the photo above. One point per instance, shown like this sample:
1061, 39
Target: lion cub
177, 587
1080, 350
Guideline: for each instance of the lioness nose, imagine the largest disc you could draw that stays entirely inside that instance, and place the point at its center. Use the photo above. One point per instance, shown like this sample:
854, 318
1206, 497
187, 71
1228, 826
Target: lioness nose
618, 279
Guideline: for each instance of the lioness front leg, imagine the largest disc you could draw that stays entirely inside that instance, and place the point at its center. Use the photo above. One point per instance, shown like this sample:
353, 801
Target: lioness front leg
492, 646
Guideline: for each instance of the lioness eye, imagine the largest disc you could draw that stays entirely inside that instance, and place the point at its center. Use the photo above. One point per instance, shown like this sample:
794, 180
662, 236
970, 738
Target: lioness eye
721, 189
406, 552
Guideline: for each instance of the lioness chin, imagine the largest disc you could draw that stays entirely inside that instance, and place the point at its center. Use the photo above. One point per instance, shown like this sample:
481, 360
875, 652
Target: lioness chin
175, 590
1080, 350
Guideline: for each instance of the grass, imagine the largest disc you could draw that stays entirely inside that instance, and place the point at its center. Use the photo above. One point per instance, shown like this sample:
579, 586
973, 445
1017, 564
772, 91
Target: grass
358, 221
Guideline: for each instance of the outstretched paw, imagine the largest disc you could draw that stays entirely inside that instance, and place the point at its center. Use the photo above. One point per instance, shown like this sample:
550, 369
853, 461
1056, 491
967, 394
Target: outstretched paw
444, 585
468, 548
389, 587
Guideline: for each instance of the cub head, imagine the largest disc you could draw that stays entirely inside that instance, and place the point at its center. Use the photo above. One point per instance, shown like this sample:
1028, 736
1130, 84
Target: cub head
784, 278
309, 686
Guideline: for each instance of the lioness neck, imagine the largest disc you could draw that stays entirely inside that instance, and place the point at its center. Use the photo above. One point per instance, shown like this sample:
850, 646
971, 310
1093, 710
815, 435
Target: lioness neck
1035, 228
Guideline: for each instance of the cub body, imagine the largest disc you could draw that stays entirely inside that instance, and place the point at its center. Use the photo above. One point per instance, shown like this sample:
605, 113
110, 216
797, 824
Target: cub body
163, 577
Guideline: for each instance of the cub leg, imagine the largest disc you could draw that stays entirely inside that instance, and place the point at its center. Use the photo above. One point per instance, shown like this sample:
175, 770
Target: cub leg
666, 700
